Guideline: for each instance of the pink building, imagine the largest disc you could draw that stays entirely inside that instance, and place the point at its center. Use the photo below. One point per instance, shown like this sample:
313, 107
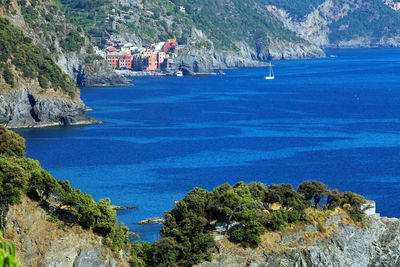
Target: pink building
149, 60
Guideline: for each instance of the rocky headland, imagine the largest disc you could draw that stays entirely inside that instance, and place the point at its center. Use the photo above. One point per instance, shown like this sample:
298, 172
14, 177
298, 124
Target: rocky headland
26, 107
336, 243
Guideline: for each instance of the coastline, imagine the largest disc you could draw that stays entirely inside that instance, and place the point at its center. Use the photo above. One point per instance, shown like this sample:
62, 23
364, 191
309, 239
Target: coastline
56, 124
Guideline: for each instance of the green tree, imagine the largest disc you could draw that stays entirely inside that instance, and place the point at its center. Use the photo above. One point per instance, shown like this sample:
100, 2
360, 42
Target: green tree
166, 252
312, 190
333, 200
42, 183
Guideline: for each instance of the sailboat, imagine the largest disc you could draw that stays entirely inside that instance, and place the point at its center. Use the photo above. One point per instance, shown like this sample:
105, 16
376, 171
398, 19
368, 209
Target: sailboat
271, 75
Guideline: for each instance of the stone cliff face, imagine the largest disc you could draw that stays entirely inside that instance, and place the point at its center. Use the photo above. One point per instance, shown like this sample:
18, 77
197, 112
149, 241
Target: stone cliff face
42, 243
315, 26
194, 60
96, 73
340, 244
318, 26
25, 107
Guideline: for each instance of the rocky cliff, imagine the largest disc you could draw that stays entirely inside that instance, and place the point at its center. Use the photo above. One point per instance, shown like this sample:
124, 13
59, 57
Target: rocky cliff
340, 23
42, 243
93, 73
66, 42
26, 107
197, 58
34, 91
336, 243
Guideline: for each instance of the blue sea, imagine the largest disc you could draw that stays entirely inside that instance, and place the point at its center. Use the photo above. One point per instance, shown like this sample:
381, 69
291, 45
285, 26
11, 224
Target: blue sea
336, 120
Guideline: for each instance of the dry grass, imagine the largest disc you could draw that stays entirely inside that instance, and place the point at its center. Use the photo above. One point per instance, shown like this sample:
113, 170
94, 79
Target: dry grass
29, 219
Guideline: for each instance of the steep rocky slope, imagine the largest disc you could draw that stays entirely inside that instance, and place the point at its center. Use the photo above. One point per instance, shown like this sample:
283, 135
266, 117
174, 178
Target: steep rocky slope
34, 92
39, 242
66, 41
339, 243
340, 23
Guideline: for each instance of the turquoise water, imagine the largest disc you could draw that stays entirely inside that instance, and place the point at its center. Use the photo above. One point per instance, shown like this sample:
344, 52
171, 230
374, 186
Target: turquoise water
336, 120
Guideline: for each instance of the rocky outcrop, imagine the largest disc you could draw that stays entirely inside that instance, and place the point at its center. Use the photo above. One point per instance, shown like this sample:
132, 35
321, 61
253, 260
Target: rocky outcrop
26, 107
152, 220
343, 244
278, 50
42, 243
203, 61
96, 73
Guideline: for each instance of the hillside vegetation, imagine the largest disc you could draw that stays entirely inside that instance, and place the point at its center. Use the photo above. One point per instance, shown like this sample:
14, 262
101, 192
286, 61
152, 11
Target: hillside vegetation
252, 209
187, 234
373, 19
297, 9
17, 52
20, 175
224, 22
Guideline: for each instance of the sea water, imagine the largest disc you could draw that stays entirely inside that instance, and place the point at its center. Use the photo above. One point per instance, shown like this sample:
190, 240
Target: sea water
336, 120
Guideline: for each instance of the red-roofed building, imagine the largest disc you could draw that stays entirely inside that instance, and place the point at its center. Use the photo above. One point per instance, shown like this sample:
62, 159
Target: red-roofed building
169, 45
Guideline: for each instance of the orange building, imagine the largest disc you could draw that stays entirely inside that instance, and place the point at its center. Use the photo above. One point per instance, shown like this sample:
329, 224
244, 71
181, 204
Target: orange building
149, 60
119, 61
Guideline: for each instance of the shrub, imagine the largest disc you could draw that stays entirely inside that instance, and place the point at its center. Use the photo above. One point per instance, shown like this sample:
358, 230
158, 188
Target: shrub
53, 218
9, 77
11, 144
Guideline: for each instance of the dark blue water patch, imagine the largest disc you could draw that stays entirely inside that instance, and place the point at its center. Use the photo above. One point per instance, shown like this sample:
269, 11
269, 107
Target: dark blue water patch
335, 120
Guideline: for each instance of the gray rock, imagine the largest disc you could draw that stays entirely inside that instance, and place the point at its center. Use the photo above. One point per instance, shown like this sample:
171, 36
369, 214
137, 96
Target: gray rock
28, 108
331, 220
378, 244
89, 257
98, 73
152, 220
220, 227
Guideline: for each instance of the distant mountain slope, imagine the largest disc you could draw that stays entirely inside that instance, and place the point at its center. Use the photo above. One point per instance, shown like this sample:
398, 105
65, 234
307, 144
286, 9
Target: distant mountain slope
340, 23
241, 27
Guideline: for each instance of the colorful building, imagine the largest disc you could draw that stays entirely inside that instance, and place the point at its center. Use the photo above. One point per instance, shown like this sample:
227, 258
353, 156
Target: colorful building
160, 58
169, 45
119, 61
149, 59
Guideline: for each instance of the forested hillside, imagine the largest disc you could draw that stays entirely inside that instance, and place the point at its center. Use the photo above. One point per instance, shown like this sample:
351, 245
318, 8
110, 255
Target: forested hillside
226, 23
20, 58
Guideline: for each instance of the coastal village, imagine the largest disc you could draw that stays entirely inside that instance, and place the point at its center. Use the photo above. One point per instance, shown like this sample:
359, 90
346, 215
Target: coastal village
126, 56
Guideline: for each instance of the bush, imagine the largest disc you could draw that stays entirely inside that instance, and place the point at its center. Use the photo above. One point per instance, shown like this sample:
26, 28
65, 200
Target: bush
9, 77
7, 255
53, 219
11, 144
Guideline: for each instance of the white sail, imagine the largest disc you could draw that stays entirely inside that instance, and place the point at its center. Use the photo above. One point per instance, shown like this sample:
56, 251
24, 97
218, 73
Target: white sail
271, 75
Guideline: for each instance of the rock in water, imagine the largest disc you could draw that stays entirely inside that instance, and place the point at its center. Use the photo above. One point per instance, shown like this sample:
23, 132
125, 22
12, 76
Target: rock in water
152, 220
